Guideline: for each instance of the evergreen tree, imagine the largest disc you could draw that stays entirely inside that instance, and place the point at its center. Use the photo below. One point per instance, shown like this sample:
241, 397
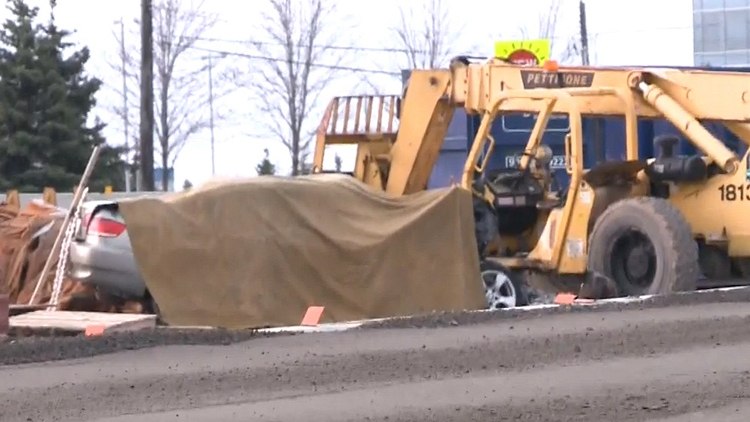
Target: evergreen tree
45, 101
187, 184
265, 167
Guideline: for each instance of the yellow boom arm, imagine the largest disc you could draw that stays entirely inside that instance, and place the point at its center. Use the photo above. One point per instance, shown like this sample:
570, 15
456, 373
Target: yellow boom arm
400, 159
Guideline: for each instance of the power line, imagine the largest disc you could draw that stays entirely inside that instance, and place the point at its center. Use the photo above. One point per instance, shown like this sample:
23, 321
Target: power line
405, 50
316, 46
642, 30
318, 65
322, 65
300, 45
304, 45
386, 49
215, 17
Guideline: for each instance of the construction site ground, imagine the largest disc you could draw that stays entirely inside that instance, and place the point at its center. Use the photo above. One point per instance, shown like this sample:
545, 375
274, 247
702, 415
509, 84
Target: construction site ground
675, 359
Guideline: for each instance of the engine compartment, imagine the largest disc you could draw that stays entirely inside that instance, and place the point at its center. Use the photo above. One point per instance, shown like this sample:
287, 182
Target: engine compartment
666, 167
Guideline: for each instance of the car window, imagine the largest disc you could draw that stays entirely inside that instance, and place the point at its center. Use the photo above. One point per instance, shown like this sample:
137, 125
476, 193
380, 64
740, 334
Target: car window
110, 214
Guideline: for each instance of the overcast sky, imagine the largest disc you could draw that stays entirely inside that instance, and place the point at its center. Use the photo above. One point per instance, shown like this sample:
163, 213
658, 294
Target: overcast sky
621, 33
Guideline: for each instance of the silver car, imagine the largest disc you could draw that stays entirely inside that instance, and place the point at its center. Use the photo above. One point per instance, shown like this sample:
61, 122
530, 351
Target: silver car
101, 255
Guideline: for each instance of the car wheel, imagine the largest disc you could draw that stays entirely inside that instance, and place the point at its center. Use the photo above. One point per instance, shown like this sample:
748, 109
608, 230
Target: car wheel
502, 289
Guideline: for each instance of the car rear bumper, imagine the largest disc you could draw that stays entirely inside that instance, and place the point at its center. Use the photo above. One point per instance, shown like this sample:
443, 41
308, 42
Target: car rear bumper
113, 271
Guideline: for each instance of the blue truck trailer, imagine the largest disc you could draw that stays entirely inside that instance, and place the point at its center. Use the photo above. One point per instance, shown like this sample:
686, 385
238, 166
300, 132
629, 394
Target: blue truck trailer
603, 139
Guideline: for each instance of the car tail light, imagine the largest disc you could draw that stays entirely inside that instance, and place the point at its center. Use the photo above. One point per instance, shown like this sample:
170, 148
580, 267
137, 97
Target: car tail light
104, 227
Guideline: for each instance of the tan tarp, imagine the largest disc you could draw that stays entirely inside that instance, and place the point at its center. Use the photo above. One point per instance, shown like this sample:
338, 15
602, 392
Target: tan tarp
257, 252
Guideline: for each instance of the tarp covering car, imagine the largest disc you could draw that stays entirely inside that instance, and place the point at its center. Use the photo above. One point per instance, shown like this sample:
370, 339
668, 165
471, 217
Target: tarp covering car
258, 252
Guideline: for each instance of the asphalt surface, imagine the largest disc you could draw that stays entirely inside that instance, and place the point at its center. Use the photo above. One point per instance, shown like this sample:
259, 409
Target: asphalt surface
19, 348
679, 363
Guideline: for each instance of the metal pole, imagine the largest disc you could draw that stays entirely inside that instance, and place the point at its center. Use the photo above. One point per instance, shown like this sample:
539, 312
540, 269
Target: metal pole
126, 112
211, 117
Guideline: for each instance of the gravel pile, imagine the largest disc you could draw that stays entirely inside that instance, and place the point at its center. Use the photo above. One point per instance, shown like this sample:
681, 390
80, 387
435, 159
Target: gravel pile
444, 319
20, 350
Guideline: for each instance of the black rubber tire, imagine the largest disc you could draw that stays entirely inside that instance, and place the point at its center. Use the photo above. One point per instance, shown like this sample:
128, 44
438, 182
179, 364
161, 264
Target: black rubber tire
522, 295
676, 250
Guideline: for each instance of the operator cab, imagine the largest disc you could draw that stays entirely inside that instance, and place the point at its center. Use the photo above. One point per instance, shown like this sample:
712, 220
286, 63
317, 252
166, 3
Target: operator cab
519, 194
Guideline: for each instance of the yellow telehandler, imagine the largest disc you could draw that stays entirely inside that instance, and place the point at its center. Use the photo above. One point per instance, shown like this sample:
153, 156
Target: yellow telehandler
652, 226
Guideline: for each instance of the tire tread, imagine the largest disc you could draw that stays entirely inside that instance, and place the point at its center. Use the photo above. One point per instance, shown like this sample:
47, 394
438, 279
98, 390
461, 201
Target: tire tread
673, 227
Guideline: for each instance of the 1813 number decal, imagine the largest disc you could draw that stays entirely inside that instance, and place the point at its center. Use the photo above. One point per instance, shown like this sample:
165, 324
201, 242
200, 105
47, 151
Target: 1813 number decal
735, 192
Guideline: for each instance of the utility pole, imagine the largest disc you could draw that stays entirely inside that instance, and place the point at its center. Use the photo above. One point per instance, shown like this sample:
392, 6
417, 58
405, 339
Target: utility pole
211, 117
147, 97
125, 111
584, 33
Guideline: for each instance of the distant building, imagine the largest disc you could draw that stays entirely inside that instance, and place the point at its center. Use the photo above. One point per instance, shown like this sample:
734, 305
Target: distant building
721, 32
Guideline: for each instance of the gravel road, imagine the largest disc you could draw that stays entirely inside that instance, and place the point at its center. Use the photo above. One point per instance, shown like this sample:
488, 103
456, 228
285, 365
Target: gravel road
679, 363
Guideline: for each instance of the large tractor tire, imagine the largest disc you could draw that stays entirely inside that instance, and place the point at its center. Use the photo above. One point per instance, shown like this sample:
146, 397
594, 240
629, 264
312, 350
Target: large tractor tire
646, 246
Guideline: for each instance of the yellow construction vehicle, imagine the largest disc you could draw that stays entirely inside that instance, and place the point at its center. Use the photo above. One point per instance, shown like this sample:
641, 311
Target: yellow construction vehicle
653, 226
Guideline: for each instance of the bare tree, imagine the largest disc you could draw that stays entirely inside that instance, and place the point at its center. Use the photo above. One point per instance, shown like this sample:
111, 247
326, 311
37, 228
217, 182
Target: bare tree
426, 33
430, 41
294, 64
181, 100
127, 65
565, 49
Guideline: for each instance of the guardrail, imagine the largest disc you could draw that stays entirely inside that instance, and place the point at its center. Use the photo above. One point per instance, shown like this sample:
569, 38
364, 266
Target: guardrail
64, 199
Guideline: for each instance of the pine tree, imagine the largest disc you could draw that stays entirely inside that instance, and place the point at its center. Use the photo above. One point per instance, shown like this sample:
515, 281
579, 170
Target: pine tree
265, 167
45, 101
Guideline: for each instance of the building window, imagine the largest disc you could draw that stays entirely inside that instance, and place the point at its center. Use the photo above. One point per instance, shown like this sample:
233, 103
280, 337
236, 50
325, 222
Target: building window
738, 58
713, 31
709, 59
711, 5
736, 23
697, 39
730, 4
697, 32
